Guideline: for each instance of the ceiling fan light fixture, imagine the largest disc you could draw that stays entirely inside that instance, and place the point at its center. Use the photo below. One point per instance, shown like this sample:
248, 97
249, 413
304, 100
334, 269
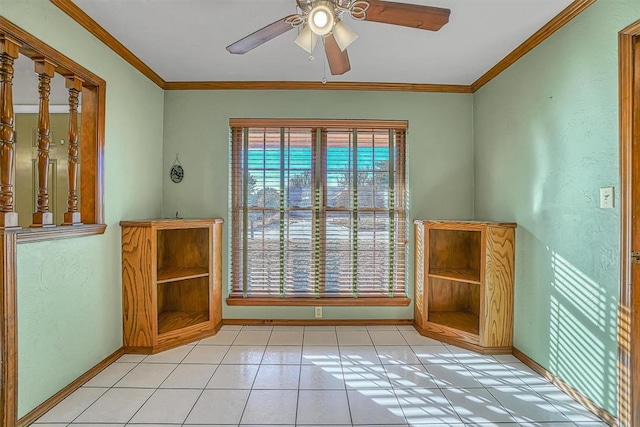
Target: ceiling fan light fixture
344, 35
321, 19
307, 39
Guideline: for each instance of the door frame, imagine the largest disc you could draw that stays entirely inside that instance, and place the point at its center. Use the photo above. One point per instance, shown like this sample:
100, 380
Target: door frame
629, 305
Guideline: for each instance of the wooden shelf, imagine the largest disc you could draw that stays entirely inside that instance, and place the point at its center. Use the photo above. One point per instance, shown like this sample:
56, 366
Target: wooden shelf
463, 282
171, 282
466, 275
172, 320
460, 320
174, 274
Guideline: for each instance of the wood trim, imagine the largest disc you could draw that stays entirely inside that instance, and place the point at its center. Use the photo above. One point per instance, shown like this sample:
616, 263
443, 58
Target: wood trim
34, 48
463, 225
88, 23
307, 85
8, 332
93, 105
82, 18
78, 15
563, 18
48, 404
324, 302
460, 343
38, 235
175, 342
316, 123
315, 322
629, 305
582, 399
171, 223
97, 159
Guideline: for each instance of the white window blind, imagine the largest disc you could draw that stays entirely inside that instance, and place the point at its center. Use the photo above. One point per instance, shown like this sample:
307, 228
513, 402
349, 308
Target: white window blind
318, 212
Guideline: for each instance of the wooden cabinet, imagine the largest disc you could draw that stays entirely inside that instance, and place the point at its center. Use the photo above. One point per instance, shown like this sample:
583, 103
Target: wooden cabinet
171, 282
464, 283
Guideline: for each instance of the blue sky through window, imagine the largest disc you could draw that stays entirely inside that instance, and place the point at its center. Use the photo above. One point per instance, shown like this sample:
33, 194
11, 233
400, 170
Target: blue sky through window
339, 159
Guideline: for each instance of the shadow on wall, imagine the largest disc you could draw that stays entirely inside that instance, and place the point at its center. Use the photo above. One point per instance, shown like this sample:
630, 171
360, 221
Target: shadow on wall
565, 320
581, 313
555, 154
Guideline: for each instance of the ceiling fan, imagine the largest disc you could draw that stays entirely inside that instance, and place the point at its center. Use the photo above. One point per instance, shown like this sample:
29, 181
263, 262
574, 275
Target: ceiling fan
323, 18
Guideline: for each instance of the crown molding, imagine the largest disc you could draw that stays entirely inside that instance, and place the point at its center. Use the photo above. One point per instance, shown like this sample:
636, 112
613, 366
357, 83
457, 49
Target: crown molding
276, 85
562, 19
78, 15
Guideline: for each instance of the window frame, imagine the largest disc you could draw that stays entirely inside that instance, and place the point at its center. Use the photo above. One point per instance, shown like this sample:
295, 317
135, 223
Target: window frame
341, 300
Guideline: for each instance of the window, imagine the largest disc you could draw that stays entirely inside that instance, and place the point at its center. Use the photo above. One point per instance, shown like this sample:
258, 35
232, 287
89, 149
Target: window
318, 210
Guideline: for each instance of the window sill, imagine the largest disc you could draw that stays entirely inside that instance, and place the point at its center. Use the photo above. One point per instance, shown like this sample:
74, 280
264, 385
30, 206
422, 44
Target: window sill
325, 301
31, 235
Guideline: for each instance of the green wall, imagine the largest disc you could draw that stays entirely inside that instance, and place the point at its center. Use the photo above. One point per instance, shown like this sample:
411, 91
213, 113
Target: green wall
69, 291
533, 146
440, 160
546, 140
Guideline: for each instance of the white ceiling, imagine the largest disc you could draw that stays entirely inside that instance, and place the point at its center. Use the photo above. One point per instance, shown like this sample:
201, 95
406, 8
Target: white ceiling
185, 40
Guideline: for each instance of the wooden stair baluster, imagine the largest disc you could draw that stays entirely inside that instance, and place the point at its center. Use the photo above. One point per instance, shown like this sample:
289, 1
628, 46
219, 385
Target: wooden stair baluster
9, 50
42, 217
72, 216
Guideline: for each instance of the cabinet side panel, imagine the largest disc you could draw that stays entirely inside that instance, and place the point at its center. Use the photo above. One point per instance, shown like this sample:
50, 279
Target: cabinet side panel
137, 280
498, 327
216, 273
419, 282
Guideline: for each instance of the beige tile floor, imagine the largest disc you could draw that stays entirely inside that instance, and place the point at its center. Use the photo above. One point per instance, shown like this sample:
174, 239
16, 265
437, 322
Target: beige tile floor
312, 376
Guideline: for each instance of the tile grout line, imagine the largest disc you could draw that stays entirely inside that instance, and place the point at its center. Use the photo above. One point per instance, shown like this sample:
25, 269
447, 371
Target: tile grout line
510, 412
195, 402
457, 358
254, 378
404, 415
156, 388
107, 389
344, 380
295, 421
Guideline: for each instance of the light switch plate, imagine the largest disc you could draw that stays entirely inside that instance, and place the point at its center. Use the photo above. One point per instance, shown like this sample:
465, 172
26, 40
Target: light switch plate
606, 198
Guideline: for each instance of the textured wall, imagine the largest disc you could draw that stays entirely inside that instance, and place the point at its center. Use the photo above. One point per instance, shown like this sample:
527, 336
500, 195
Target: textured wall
546, 140
69, 292
440, 159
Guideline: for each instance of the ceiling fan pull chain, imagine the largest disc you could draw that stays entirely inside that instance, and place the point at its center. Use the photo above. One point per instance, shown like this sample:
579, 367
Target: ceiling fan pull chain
324, 67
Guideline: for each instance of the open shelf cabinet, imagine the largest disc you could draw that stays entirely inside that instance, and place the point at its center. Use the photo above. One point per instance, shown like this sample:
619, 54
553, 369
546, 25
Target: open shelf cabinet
464, 283
171, 278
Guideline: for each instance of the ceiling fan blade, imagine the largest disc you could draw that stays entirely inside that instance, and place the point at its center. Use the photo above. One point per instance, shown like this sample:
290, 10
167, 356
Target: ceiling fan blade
338, 60
407, 15
261, 36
